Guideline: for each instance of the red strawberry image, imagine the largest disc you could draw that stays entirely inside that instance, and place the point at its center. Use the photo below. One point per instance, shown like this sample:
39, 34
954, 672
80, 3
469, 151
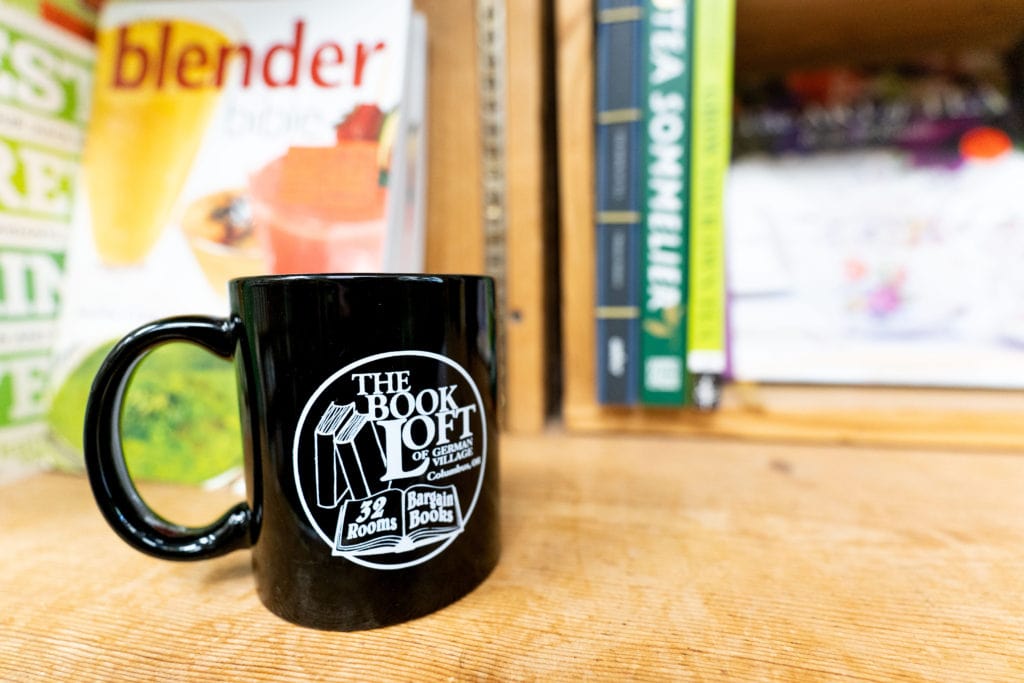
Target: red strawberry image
363, 123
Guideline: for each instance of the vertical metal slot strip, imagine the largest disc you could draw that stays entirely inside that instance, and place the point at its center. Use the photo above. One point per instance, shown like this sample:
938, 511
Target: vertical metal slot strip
491, 32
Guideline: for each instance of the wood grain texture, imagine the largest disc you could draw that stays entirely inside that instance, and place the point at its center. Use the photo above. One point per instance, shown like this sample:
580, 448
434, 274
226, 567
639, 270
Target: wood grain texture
859, 415
775, 35
574, 83
455, 233
624, 559
525, 315
455, 239
930, 418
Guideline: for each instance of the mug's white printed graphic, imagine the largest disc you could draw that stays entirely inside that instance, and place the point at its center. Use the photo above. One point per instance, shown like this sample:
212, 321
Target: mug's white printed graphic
397, 521
346, 445
389, 457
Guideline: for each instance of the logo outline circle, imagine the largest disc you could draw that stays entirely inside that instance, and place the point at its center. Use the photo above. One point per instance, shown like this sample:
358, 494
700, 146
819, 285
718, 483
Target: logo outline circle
353, 557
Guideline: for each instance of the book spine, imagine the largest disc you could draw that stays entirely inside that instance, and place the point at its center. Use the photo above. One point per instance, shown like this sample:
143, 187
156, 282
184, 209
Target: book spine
617, 166
714, 38
665, 141
361, 458
327, 493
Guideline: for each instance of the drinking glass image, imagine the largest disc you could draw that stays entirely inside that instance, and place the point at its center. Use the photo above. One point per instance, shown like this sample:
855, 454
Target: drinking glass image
153, 100
219, 230
322, 209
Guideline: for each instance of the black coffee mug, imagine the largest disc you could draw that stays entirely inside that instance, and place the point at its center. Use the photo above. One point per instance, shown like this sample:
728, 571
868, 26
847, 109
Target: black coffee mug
367, 407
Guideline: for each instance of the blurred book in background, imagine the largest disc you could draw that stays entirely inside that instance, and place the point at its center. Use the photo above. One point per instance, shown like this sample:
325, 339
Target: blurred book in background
876, 226
228, 139
72, 16
45, 82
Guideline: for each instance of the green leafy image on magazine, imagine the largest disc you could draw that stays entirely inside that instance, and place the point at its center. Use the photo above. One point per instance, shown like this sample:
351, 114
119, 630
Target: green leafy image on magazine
181, 417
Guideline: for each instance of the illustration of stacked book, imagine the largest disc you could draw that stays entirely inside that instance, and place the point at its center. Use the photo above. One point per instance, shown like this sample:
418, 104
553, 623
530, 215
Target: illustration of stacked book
376, 517
348, 456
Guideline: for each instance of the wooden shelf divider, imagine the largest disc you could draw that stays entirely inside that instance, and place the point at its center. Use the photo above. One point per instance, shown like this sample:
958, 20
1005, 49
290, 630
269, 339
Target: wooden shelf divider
455, 234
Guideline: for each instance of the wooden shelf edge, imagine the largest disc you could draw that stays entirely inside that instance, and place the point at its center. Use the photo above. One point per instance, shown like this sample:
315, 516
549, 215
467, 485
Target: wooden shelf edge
574, 91
859, 416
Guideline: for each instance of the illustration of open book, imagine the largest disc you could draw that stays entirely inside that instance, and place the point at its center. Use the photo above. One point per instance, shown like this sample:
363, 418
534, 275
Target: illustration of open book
397, 520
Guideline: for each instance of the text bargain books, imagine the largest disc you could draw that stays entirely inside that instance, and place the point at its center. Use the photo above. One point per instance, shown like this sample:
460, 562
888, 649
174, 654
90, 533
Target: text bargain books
232, 138
663, 91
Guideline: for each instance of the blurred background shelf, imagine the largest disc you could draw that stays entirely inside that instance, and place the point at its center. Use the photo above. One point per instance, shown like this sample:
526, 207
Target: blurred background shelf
773, 36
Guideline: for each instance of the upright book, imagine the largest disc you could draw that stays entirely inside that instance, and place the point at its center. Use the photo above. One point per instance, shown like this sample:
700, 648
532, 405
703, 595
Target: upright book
239, 137
348, 456
618, 93
45, 80
665, 215
714, 37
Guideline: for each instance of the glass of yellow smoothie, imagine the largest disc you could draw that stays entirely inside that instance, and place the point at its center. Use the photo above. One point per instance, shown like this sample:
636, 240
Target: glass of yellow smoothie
152, 102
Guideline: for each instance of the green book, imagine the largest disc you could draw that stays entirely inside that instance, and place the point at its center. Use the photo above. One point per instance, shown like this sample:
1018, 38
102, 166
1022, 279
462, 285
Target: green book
45, 86
666, 140
714, 37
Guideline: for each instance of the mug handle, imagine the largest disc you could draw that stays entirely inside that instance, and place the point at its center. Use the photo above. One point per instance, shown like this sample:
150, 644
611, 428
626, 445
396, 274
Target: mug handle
115, 493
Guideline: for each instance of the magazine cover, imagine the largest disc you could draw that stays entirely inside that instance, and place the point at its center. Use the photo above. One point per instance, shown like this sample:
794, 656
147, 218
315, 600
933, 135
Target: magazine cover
232, 138
876, 226
45, 83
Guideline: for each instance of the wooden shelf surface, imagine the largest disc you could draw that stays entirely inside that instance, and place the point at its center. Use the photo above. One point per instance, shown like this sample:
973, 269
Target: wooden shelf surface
624, 559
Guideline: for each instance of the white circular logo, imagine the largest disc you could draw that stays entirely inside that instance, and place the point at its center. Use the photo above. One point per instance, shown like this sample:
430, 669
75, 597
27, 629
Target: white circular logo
389, 456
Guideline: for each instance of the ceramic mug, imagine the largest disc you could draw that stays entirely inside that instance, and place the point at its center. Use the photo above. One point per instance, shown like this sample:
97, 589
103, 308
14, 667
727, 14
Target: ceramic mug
367, 407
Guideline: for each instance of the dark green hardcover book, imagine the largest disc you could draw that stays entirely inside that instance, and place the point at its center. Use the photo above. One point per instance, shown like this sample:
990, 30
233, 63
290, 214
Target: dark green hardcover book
664, 235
